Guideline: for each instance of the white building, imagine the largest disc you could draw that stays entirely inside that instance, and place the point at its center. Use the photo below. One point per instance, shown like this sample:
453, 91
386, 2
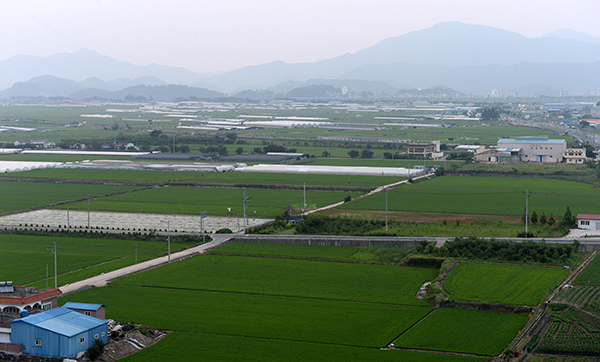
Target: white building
588, 221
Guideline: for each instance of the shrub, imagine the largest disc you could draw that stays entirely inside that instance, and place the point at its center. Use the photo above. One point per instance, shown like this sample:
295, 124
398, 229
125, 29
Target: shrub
224, 231
95, 350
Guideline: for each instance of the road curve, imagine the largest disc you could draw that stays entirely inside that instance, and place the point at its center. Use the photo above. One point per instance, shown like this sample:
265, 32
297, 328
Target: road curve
102, 279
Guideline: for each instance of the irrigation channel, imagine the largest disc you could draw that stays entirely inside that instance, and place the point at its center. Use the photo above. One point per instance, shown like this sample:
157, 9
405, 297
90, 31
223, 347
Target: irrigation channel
126, 221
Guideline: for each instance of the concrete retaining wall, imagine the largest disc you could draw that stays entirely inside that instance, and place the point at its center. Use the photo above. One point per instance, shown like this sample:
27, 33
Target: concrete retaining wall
352, 241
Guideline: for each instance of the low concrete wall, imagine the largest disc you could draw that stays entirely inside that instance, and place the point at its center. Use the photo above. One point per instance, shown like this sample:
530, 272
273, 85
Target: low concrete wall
11, 347
24, 357
352, 241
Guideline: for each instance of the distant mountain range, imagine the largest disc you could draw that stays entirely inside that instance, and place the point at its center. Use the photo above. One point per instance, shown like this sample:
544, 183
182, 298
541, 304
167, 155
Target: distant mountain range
467, 58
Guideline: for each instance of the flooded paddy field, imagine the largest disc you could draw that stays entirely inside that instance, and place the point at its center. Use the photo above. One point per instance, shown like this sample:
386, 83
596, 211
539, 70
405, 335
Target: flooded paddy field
126, 221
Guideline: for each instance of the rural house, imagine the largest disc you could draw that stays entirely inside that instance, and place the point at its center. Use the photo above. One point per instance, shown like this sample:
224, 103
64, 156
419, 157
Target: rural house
588, 221
93, 310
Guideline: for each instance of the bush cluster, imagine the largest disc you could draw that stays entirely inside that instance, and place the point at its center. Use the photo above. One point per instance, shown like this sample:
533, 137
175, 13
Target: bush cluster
484, 249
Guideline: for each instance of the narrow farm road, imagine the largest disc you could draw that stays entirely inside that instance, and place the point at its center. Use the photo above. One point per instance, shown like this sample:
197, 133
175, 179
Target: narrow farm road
102, 279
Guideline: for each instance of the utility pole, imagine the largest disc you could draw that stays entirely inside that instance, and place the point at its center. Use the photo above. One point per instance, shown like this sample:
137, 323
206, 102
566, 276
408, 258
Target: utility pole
173, 143
526, 210
55, 267
136, 252
169, 239
68, 221
46, 276
88, 212
245, 199
304, 194
386, 210
202, 216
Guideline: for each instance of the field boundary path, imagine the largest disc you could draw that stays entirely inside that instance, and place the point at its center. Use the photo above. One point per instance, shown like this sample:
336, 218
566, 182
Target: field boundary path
372, 192
102, 279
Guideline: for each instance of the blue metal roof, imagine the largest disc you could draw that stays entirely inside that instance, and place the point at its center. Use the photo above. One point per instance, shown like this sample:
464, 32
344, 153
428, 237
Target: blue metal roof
530, 140
83, 306
62, 321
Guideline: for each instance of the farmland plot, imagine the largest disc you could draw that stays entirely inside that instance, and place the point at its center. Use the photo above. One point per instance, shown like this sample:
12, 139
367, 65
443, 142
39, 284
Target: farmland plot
505, 284
485, 195
303, 278
590, 275
464, 331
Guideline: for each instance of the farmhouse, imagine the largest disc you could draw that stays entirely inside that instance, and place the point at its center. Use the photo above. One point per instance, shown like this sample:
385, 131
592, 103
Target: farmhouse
588, 221
59, 332
15, 299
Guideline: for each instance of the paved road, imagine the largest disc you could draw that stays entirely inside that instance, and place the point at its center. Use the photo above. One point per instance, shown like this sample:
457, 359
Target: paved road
102, 279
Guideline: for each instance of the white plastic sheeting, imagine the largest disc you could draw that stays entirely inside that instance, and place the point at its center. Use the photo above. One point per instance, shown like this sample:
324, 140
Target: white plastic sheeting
333, 170
16, 166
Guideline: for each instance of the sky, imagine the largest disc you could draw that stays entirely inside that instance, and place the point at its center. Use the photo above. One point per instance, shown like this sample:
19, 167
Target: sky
219, 35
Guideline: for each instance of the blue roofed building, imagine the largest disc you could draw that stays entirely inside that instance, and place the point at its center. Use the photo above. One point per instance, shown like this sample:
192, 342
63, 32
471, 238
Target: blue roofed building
59, 332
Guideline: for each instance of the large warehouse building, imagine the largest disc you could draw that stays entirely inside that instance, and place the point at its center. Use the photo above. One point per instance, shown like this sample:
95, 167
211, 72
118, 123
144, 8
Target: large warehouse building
536, 149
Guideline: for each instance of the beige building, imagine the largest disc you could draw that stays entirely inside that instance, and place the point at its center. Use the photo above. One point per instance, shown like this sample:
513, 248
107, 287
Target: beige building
576, 155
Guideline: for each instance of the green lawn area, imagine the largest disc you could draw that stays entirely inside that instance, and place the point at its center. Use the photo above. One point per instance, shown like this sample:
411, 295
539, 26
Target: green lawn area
590, 275
184, 346
294, 319
291, 250
24, 257
485, 195
24, 195
504, 284
464, 331
193, 200
303, 278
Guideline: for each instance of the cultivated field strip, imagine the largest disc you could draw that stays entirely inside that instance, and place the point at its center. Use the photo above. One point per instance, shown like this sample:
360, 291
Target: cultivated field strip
501, 283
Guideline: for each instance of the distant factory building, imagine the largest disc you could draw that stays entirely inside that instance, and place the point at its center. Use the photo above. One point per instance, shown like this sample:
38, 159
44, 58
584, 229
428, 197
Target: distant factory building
536, 149
35, 144
59, 332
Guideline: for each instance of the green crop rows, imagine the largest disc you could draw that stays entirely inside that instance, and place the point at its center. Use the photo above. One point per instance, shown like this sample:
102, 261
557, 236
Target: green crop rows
24, 257
466, 331
290, 250
504, 284
590, 275
485, 195
297, 319
218, 348
314, 279
247, 178
571, 331
193, 200
24, 195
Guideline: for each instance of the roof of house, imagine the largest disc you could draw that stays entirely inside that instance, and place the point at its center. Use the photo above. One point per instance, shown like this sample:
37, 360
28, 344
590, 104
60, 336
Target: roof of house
588, 216
62, 321
83, 306
22, 296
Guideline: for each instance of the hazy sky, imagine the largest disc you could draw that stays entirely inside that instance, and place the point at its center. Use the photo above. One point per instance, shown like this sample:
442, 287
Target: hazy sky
206, 36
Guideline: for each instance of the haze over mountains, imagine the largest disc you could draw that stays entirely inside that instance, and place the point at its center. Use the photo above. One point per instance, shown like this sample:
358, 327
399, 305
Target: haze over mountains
467, 58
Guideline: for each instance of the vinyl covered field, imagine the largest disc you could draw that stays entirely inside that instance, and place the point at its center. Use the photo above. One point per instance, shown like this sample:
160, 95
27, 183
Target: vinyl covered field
485, 195
304, 278
465, 331
247, 178
24, 257
24, 195
193, 200
503, 284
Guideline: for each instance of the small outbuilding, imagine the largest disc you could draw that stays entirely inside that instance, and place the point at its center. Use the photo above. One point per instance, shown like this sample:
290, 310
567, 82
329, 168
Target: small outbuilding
93, 310
588, 221
59, 332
